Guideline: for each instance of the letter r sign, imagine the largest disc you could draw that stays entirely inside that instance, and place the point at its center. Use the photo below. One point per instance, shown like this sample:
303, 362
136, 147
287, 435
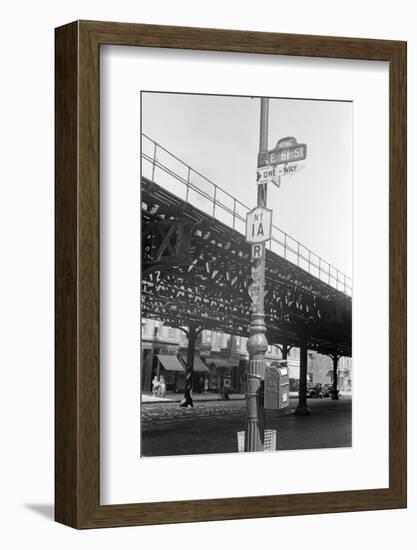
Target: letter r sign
258, 250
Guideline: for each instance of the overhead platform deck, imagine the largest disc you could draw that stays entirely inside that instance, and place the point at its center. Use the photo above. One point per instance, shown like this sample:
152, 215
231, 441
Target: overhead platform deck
197, 270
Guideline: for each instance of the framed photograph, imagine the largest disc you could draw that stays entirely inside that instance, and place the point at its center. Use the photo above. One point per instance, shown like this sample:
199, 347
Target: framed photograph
230, 274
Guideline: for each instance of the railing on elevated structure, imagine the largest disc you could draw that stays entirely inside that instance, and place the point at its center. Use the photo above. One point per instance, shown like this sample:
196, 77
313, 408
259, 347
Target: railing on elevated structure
163, 167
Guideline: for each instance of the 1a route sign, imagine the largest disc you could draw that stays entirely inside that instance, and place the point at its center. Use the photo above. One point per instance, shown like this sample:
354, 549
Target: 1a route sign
258, 225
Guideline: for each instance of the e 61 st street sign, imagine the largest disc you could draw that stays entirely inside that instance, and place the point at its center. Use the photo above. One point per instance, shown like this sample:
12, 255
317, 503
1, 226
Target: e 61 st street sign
287, 150
289, 154
258, 225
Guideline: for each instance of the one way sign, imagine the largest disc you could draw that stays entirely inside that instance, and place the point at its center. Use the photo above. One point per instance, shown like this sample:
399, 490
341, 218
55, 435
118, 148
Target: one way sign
267, 174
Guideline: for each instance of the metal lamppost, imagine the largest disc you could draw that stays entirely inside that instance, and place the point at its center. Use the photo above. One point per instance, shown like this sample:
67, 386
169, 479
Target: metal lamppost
272, 165
257, 344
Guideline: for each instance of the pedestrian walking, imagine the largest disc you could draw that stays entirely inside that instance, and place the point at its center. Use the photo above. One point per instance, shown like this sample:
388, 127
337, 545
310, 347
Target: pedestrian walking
205, 385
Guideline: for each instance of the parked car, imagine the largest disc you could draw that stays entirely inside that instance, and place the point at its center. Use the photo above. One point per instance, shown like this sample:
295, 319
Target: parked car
315, 390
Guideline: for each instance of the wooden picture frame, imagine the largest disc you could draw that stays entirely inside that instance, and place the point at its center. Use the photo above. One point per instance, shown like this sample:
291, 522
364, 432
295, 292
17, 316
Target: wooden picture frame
77, 406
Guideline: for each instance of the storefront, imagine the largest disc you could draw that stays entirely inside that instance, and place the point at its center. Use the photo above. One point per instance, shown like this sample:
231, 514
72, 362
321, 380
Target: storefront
158, 341
171, 369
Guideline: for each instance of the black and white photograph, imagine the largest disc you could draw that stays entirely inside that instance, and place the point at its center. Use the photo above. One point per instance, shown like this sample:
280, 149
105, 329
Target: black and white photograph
246, 279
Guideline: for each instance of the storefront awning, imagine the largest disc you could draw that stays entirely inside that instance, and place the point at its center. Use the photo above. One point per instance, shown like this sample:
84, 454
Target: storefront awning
170, 362
198, 365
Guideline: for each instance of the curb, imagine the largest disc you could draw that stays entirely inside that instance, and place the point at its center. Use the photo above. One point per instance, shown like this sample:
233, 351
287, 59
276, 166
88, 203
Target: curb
210, 400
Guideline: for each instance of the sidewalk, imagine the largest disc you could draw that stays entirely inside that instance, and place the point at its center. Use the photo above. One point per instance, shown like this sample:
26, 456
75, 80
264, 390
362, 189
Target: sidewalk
171, 397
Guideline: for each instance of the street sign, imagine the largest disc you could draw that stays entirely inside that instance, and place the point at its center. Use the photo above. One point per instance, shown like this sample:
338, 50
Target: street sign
258, 251
287, 150
263, 159
266, 174
288, 169
256, 274
294, 153
254, 291
258, 225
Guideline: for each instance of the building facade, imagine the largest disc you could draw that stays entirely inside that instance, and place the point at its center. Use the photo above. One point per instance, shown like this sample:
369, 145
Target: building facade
320, 370
221, 359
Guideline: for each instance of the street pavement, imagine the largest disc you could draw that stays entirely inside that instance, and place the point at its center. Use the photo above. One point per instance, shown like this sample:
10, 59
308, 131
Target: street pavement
211, 426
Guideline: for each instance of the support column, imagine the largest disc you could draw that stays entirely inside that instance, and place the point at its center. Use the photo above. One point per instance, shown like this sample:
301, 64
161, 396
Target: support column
188, 400
302, 408
147, 364
335, 391
284, 351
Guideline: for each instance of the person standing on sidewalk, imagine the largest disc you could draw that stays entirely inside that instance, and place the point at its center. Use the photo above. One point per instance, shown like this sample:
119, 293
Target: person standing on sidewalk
155, 386
162, 387
205, 385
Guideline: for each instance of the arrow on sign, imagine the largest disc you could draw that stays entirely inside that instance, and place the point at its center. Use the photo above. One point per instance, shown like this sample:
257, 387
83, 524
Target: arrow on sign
266, 174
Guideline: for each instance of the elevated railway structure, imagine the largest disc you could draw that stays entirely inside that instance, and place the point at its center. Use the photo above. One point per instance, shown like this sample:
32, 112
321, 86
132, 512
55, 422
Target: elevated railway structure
196, 268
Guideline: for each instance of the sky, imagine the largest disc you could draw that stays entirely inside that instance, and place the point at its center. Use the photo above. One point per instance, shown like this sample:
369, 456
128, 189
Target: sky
219, 137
